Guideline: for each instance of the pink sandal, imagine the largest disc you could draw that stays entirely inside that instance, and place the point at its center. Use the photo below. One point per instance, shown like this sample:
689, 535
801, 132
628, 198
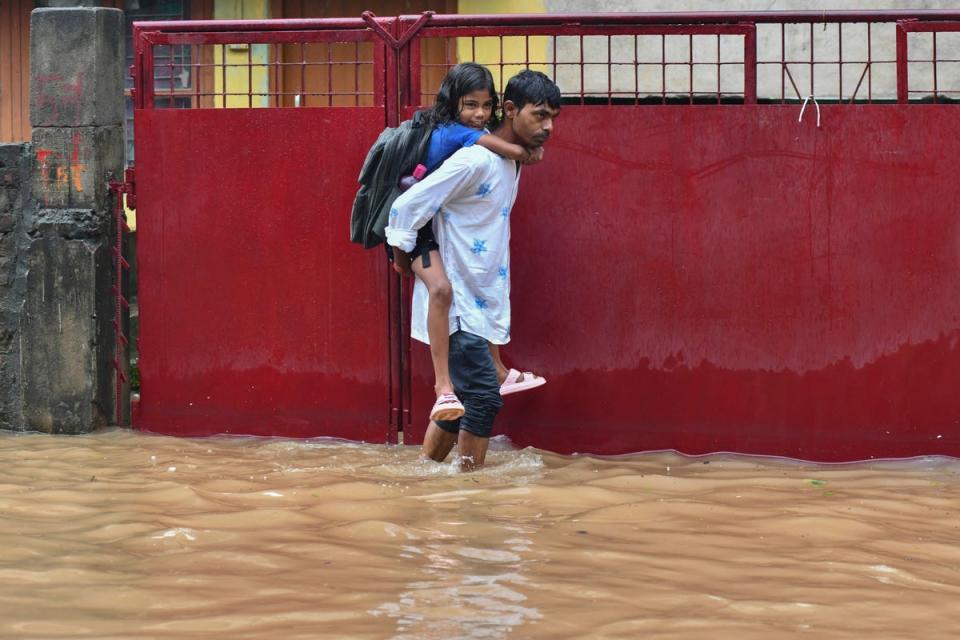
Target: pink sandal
513, 383
447, 407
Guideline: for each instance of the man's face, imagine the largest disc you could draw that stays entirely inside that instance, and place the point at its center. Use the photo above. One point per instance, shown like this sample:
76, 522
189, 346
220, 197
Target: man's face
533, 124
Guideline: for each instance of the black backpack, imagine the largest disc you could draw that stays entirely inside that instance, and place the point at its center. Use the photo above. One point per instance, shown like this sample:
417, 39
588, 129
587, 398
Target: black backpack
397, 151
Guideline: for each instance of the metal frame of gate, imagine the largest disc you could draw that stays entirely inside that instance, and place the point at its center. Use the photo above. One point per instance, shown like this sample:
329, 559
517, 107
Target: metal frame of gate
399, 89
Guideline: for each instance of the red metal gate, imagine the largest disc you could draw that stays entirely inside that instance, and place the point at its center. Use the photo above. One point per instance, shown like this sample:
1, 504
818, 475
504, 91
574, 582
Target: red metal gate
256, 316
695, 265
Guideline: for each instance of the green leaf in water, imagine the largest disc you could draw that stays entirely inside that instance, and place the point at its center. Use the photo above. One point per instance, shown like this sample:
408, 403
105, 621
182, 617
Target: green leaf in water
817, 483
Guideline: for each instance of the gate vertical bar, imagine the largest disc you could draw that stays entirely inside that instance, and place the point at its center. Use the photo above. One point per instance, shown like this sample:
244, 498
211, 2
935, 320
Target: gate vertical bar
379, 76
902, 90
386, 95
934, 67
146, 74
404, 98
395, 341
405, 91
749, 65
408, 95
406, 54
392, 70
121, 363
136, 69
840, 58
414, 78
870, 62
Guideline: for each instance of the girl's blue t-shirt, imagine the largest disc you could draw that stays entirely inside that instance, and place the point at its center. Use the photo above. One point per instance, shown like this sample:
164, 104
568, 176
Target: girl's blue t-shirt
446, 139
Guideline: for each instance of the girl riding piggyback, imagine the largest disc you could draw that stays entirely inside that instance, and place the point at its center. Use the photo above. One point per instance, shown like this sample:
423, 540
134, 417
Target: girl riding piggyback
465, 106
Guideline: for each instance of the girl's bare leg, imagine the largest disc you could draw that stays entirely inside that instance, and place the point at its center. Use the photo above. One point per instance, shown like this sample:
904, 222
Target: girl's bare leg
438, 321
502, 369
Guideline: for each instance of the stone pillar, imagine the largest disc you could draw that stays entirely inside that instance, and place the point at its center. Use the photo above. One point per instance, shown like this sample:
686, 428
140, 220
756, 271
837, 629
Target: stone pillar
76, 109
14, 203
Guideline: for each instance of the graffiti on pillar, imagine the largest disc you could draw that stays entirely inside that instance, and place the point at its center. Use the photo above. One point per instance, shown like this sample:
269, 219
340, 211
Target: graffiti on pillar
60, 169
60, 173
77, 168
52, 178
58, 96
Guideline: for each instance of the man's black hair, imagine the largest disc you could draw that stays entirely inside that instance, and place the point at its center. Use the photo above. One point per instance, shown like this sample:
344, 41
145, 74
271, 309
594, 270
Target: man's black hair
462, 79
532, 87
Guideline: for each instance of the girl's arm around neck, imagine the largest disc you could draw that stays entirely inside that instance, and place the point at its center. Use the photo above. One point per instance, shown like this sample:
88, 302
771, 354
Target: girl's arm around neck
503, 148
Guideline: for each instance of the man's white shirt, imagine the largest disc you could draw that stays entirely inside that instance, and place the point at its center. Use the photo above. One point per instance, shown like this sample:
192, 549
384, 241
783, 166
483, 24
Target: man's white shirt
468, 200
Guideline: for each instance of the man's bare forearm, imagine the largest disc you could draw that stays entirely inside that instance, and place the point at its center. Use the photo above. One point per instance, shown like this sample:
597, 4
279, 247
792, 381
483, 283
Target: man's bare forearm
401, 261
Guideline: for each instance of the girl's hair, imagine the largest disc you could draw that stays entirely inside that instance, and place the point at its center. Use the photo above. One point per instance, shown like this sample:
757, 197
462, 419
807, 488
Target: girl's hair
462, 79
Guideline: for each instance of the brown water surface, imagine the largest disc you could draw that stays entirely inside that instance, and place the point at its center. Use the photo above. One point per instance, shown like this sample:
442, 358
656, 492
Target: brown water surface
127, 535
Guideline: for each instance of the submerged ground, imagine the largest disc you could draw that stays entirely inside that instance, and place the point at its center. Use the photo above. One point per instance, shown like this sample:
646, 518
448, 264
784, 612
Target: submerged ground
127, 535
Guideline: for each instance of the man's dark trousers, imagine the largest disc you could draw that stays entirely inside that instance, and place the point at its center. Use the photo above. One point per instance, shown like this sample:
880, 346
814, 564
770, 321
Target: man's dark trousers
475, 381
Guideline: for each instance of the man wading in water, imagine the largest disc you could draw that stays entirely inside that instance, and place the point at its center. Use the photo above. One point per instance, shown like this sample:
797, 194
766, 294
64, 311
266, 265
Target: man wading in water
471, 195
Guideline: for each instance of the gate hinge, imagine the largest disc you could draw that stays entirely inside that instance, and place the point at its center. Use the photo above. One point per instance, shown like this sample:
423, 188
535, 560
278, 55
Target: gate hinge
128, 187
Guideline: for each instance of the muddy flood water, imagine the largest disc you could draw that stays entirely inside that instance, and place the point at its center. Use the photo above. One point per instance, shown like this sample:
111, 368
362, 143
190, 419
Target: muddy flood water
126, 535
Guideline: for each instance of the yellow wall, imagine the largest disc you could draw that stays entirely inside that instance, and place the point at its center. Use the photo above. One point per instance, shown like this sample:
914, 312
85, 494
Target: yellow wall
516, 49
240, 78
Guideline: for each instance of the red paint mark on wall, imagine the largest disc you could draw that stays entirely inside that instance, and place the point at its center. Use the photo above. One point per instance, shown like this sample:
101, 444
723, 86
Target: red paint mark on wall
55, 93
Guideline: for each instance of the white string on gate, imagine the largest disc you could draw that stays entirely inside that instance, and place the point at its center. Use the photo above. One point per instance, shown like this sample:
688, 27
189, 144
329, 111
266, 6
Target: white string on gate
815, 103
